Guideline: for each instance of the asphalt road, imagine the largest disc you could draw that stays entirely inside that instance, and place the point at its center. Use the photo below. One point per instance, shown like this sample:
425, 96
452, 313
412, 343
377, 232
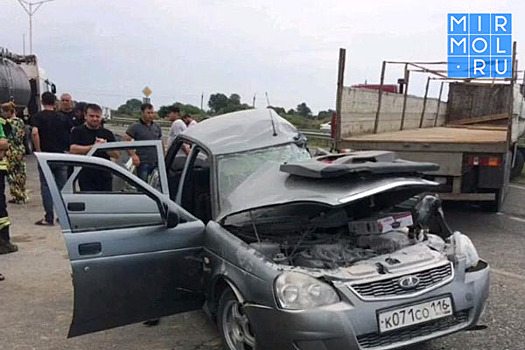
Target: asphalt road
36, 297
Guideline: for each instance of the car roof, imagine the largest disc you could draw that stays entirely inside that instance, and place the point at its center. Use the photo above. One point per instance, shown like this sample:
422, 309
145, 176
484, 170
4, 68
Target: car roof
242, 131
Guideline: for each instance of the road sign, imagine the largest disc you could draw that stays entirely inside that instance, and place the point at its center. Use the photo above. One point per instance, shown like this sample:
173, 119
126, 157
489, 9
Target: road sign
147, 91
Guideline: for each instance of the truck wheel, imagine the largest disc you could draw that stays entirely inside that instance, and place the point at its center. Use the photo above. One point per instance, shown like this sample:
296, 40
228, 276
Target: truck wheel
233, 323
518, 165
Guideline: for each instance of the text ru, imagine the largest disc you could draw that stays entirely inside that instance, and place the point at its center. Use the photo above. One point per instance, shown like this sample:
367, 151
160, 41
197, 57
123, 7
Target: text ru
479, 45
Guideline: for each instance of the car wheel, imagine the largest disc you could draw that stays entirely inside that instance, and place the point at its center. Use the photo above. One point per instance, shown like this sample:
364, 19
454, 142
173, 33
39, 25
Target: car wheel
233, 323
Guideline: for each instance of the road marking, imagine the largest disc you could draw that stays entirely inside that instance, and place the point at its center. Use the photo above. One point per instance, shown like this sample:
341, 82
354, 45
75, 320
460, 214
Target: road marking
517, 186
515, 218
508, 274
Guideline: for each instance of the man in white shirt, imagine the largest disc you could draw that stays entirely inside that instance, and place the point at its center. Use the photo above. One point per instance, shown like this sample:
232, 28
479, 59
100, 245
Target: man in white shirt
177, 126
188, 120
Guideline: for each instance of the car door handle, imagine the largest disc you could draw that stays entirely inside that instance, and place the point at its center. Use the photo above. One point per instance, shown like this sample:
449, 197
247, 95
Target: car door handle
90, 248
76, 206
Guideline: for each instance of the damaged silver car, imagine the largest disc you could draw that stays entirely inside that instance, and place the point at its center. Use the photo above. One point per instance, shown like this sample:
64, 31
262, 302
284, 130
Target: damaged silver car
285, 251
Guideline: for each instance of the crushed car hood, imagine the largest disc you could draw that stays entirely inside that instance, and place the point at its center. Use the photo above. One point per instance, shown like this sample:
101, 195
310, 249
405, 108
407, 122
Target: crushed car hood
270, 186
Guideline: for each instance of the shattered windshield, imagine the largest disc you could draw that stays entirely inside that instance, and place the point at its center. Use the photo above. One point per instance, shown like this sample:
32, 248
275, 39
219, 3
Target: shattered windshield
235, 168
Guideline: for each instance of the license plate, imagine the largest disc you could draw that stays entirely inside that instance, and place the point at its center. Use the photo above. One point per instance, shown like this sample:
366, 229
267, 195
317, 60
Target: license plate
415, 314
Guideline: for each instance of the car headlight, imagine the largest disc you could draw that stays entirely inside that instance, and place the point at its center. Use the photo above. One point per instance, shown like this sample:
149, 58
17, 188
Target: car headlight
298, 291
463, 246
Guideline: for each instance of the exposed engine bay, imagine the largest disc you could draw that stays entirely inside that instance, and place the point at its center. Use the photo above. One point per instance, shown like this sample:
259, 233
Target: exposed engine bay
320, 237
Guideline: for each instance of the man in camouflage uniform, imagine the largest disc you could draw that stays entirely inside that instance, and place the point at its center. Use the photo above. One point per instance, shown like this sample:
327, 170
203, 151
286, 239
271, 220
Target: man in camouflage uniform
5, 240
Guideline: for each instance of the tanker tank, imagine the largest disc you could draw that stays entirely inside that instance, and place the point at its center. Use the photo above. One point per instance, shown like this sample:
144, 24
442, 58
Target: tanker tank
14, 83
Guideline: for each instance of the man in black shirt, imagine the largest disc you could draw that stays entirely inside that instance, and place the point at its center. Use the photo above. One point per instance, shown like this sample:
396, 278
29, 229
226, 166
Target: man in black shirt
50, 128
79, 113
50, 134
66, 107
83, 138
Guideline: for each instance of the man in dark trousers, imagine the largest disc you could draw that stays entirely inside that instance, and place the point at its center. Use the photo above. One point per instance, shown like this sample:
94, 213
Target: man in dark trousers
50, 134
6, 246
144, 159
83, 138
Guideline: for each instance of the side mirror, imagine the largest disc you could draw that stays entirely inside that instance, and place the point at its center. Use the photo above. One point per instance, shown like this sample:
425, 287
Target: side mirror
172, 218
53, 88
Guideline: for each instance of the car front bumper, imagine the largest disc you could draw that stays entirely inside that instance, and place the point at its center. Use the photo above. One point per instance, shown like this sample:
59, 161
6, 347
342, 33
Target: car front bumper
352, 323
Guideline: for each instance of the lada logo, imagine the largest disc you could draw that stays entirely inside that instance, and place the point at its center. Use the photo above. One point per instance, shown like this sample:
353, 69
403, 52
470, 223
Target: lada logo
409, 282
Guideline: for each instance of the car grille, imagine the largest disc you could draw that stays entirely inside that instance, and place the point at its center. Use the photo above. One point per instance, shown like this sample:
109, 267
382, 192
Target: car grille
373, 340
391, 287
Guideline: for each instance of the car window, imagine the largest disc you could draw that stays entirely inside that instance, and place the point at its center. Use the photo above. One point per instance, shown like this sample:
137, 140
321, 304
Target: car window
99, 198
235, 168
196, 191
122, 157
92, 179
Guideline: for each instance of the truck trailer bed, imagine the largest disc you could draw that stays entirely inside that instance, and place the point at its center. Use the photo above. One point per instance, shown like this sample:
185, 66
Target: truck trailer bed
437, 139
443, 135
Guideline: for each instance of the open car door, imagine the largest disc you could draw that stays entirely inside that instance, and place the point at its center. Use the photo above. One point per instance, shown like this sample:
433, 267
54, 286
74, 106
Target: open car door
134, 256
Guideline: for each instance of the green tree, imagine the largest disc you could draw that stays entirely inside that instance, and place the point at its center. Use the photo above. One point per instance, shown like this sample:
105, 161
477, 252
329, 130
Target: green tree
193, 110
130, 107
220, 104
234, 100
217, 102
234, 108
184, 109
304, 110
325, 114
279, 110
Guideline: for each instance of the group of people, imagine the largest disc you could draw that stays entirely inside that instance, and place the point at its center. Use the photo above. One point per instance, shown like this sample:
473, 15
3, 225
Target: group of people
75, 129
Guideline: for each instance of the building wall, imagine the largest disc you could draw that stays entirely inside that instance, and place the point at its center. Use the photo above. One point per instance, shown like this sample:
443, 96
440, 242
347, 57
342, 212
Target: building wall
359, 106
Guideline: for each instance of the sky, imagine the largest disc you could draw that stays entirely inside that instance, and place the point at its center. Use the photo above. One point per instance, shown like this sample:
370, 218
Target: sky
108, 51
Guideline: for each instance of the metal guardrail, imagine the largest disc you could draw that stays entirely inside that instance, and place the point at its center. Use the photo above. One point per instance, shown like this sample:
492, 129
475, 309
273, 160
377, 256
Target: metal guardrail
128, 121
316, 134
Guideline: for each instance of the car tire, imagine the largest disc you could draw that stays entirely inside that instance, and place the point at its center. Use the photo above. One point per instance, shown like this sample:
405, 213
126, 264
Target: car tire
233, 323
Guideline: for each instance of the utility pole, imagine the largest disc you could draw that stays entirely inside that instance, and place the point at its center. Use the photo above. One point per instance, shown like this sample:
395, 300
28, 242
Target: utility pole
30, 8
202, 101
